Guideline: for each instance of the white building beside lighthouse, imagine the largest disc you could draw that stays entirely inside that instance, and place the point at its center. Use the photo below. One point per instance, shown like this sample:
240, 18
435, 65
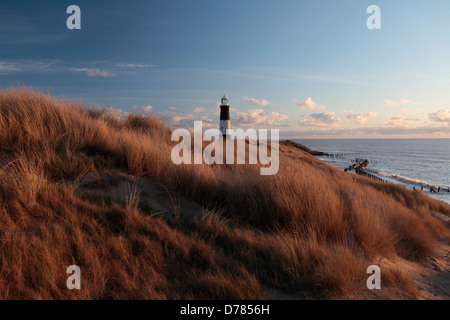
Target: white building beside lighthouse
224, 116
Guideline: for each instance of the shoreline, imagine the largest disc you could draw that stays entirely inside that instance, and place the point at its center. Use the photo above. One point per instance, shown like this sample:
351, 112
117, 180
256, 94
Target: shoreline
437, 192
430, 189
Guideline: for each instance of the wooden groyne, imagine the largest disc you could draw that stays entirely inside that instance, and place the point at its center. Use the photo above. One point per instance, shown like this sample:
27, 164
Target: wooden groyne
359, 166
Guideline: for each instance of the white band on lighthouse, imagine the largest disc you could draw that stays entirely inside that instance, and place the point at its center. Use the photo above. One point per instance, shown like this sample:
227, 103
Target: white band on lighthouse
224, 126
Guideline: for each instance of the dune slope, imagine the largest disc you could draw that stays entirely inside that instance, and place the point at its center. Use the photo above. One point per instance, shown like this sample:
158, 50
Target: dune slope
81, 186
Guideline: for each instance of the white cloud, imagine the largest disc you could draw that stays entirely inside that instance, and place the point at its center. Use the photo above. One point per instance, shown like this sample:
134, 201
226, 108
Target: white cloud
396, 102
258, 117
440, 131
119, 113
135, 65
92, 69
360, 118
325, 119
186, 120
95, 72
309, 104
199, 110
442, 116
400, 121
28, 66
259, 103
346, 111
144, 109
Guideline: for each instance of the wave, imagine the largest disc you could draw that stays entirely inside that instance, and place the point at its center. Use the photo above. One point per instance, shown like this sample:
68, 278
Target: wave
402, 179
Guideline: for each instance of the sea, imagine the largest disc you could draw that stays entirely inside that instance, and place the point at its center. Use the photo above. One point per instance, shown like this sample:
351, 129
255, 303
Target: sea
410, 162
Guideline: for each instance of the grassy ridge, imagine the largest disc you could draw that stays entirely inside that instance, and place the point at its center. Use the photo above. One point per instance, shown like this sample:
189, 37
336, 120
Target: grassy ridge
309, 231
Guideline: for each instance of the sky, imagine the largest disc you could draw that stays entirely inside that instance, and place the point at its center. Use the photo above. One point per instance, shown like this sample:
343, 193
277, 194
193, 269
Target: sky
311, 69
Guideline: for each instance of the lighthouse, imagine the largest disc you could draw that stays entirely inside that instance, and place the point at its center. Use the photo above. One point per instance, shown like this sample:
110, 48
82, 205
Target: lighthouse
224, 116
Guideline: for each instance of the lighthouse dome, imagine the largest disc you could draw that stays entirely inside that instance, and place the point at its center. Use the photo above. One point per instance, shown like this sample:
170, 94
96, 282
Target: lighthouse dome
224, 100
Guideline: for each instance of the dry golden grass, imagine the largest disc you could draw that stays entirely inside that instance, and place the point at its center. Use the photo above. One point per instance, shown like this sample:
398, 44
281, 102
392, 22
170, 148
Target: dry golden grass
310, 231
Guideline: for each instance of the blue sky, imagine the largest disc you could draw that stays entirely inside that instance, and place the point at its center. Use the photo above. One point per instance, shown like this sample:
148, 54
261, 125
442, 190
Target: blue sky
310, 68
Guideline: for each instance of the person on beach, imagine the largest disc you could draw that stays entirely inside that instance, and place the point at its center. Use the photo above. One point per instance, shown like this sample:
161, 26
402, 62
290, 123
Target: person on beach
439, 189
421, 188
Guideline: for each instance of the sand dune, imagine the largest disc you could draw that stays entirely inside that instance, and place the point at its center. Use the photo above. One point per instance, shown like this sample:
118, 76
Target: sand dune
79, 186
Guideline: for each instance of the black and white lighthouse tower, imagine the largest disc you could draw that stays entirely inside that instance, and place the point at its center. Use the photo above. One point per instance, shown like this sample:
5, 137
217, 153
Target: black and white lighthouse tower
224, 116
